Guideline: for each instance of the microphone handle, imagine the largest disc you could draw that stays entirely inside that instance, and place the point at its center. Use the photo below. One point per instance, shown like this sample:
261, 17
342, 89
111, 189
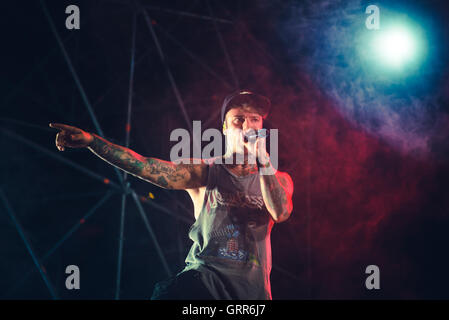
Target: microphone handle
258, 134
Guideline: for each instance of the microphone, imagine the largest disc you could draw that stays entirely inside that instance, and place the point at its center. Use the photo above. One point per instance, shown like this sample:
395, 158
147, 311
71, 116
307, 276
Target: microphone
253, 135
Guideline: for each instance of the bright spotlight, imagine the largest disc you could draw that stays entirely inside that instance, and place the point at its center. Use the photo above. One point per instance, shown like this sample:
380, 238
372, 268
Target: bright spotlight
396, 46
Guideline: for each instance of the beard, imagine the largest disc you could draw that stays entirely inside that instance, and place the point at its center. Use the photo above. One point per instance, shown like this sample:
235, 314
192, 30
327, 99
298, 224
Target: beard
238, 151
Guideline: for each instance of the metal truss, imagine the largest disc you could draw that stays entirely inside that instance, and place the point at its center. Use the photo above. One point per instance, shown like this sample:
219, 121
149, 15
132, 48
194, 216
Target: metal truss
122, 186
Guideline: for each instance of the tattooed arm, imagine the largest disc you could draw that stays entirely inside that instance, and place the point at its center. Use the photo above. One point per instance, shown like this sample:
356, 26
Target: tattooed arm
277, 190
276, 186
161, 173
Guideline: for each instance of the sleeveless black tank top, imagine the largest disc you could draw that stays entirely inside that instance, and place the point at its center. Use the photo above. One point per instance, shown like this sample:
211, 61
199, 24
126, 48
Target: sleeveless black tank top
231, 237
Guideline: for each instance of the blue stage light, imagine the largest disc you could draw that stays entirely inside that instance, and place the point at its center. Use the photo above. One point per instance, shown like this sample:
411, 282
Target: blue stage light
396, 46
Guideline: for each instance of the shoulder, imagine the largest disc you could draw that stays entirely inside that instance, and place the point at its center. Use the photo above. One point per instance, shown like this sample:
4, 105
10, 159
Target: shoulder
198, 168
285, 180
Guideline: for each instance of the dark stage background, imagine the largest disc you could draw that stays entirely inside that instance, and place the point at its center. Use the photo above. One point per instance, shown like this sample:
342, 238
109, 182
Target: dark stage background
367, 149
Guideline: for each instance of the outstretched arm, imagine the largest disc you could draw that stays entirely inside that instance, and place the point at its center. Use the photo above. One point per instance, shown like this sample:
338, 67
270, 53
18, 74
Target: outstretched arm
159, 172
165, 174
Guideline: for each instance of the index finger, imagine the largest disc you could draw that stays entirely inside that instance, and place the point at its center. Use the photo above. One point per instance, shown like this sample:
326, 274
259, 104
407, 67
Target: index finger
61, 126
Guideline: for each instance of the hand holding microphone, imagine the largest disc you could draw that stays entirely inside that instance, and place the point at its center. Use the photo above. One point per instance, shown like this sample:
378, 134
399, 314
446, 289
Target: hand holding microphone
252, 135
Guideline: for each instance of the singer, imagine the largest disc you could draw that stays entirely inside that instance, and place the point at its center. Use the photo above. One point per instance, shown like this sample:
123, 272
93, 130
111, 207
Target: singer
235, 207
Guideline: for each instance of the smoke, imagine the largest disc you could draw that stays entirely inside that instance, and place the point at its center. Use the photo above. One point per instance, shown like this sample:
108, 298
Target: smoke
402, 107
358, 142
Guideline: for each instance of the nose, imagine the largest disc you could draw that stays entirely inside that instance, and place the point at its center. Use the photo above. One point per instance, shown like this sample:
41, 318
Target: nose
245, 124
247, 127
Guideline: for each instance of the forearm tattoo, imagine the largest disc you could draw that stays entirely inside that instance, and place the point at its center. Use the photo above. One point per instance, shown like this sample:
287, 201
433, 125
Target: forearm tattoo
167, 174
162, 173
118, 156
275, 196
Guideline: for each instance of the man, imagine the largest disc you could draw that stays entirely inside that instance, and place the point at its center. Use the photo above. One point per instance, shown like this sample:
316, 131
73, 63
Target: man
235, 204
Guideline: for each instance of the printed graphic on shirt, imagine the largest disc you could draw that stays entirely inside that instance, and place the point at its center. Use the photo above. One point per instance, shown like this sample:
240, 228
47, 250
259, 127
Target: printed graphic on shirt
231, 249
230, 243
253, 259
235, 199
